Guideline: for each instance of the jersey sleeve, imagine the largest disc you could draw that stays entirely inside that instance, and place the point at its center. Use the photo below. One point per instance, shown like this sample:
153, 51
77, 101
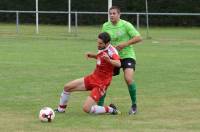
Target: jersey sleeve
131, 30
112, 52
115, 57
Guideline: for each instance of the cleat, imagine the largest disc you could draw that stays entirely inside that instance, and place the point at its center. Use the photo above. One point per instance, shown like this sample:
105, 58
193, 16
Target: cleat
133, 110
58, 111
115, 110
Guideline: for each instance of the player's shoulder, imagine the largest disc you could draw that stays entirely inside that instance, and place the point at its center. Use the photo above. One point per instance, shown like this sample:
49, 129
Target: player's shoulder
107, 24
113, 53
125, 23
112, 50
111, 47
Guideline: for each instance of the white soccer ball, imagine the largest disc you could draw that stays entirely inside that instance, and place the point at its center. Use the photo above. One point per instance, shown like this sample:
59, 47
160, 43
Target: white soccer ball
46, 114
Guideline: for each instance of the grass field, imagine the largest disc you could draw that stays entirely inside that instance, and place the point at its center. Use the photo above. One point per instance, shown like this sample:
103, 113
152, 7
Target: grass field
34, 68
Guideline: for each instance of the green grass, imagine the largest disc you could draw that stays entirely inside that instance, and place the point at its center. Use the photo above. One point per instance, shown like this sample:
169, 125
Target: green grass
34, 68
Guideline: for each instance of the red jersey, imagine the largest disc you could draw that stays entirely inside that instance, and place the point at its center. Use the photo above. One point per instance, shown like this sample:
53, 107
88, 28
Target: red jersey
104, 70
100, 79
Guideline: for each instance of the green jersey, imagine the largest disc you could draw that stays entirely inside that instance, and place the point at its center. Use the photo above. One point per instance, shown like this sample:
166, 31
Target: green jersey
121, 32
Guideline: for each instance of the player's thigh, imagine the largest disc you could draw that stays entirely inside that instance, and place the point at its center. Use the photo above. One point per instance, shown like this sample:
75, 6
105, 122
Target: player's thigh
98, 91
75, 85
129, 75
128, 65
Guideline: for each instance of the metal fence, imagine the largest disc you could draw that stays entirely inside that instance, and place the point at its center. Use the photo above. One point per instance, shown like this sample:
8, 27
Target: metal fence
76, 13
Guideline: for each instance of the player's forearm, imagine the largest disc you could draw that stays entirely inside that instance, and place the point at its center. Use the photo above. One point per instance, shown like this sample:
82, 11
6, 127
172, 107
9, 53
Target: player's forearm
115, 63
91, 55
134, 40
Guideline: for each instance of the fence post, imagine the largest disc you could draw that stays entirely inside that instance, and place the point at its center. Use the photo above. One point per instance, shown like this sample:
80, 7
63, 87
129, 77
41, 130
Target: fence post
37, 17
17, 22
138, 21
69, 16
76, 22
147, 20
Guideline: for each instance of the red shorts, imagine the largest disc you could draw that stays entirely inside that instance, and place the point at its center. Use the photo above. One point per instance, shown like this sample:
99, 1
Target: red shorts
98, 88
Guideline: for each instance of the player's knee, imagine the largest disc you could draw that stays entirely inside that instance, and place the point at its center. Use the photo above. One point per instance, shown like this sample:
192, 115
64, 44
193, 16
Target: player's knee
86, 108
129, 81
67, 88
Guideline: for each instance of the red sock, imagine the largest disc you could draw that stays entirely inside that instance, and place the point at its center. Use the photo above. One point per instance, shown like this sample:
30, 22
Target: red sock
63, 106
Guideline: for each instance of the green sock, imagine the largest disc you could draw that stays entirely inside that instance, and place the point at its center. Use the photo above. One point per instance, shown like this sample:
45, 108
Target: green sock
132, 92
101, 100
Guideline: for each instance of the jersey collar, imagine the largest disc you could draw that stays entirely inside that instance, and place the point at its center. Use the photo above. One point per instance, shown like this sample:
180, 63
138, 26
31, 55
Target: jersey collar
99, 51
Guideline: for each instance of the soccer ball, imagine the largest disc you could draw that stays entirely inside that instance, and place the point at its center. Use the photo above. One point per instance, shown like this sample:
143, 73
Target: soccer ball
46, 114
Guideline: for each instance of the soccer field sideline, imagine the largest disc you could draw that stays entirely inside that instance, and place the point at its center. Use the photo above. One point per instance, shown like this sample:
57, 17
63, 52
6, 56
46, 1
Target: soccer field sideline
34, 68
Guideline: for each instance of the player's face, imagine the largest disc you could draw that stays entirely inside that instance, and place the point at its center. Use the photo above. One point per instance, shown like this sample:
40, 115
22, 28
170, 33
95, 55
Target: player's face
114, 16
100, 44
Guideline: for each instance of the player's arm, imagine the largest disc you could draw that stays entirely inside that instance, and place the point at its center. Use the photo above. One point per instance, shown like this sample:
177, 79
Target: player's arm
114, 62
91, 55
135, 37
133, 40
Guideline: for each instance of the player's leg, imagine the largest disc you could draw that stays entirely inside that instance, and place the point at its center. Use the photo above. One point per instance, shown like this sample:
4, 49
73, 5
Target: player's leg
75, 85
90, 105
128, 75
101, 100
129, 72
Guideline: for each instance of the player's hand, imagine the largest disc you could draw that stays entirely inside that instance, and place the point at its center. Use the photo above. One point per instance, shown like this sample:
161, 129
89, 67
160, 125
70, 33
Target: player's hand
87, 55
106, 57
90, 55
120, 47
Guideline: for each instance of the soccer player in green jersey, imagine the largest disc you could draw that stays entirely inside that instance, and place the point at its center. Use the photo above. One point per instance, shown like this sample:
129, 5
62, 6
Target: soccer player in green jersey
123, 37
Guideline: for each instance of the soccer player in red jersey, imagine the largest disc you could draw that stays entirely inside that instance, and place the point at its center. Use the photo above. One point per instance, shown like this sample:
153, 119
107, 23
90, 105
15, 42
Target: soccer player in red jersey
106, 59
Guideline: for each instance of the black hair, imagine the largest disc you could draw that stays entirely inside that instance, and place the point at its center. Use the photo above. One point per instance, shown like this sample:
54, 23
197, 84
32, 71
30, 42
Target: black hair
105, 37
115, 7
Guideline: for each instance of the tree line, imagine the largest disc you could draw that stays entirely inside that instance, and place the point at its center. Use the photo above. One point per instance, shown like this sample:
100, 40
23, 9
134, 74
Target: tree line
163, 6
